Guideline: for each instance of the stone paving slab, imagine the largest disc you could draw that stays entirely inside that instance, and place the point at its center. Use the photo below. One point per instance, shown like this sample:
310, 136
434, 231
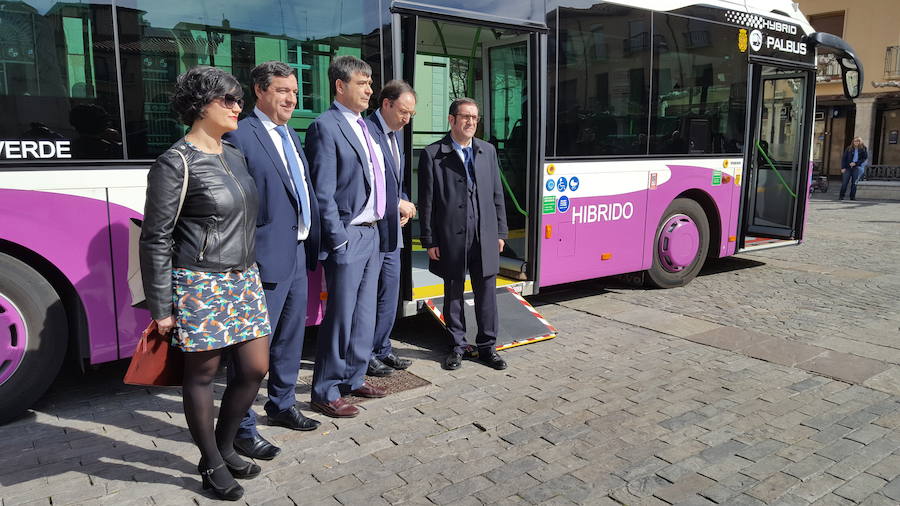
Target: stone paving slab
761, 382
844, 366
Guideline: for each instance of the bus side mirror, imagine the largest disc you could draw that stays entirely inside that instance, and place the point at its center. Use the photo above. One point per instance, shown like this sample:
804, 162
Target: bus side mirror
850, 77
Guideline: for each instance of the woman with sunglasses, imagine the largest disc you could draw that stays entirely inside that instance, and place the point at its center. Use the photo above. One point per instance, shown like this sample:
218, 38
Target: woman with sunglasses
199, 271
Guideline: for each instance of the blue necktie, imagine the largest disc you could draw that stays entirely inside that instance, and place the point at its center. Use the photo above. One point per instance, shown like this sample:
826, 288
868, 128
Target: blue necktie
291, 157
470, 163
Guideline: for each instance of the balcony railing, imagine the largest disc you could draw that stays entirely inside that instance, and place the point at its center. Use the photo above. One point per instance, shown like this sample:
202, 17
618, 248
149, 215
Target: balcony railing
892, 62
827, 68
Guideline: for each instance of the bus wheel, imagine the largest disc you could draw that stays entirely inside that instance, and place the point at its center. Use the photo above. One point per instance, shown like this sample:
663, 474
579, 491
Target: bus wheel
680, 245
33, 336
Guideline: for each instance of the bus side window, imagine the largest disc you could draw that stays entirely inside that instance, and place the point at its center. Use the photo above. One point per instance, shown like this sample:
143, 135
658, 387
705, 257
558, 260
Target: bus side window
699, 88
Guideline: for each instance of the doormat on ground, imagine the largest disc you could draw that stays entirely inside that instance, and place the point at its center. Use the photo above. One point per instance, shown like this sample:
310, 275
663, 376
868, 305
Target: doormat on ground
395, 383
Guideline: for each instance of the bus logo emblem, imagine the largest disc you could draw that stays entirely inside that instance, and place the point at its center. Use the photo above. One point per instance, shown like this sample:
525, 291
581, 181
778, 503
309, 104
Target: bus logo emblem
561, 184
756, 40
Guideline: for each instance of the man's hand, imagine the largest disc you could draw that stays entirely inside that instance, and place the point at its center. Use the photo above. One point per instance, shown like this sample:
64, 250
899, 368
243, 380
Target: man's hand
407, 211
502, 244
165, 325
434, 253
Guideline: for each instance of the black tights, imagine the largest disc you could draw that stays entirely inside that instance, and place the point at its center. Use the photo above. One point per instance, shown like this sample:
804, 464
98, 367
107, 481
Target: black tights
251, 362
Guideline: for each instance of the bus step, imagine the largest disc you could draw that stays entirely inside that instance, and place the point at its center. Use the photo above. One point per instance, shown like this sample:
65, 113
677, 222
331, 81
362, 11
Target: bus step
520, 323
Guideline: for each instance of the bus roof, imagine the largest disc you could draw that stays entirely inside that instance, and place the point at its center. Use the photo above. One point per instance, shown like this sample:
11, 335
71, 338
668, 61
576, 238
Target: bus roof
784, 10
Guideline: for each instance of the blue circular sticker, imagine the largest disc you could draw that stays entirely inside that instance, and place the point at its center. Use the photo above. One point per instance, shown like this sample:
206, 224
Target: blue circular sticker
561, 184
563, 204
551, 184
573, 183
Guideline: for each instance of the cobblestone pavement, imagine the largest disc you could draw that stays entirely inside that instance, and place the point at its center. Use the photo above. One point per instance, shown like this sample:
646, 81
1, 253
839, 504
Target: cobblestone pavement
626, 406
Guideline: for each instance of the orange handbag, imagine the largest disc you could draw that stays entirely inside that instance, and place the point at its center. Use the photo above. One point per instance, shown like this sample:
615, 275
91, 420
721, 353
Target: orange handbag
155, 362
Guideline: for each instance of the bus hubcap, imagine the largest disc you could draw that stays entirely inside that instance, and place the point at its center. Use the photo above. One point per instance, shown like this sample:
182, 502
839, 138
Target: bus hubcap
678, 243
13, 338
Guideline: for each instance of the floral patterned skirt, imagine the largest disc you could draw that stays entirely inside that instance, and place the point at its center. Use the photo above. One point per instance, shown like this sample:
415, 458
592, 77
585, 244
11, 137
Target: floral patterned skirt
218, 309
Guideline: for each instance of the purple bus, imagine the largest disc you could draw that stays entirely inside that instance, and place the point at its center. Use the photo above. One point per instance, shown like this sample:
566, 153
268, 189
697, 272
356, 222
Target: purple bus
633, 136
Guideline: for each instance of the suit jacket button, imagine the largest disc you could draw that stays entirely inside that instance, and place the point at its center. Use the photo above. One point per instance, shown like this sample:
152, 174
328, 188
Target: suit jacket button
294, 228
460, 180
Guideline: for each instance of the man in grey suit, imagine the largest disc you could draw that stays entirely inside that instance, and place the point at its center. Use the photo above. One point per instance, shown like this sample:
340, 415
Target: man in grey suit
347, 168
463, 227
397, 102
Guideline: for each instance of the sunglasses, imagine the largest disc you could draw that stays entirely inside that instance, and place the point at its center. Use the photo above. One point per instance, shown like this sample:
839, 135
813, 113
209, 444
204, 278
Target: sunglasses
229, 100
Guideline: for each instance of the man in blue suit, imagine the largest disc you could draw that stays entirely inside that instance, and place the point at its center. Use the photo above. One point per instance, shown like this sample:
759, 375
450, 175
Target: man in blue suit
287, 243
348, 171
397, 106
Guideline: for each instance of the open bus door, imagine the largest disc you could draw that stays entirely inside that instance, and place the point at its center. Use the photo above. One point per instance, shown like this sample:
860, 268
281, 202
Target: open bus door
777, 166
496, 64
777, 154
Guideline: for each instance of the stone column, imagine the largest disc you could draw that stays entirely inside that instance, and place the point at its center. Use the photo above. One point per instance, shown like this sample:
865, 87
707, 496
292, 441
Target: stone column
865, 119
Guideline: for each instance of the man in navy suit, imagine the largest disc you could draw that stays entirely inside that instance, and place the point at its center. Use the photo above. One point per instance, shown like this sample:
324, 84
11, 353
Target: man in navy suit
397, 106
463, 228
348, 171
287, 243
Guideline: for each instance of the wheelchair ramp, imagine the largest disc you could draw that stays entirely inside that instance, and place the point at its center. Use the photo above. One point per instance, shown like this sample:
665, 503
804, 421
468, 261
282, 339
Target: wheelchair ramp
520, 323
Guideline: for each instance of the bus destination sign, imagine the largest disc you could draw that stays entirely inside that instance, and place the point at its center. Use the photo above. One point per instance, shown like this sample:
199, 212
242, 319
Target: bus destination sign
771, 38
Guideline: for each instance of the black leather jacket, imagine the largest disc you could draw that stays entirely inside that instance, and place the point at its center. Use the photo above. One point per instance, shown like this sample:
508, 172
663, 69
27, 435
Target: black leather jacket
217, 227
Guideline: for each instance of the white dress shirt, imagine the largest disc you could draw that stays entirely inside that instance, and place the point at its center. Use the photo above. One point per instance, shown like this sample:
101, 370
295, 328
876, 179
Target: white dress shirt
368, 213
302, 230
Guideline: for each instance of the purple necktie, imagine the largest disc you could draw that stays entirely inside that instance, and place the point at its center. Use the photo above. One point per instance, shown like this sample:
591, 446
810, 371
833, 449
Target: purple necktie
376, 168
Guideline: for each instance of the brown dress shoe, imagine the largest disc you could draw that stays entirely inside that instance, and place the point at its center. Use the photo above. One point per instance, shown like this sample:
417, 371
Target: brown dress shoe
369, 390
338, 408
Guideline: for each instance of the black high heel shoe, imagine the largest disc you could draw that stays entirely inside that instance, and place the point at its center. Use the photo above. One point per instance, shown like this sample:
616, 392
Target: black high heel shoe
228, 492
245, 472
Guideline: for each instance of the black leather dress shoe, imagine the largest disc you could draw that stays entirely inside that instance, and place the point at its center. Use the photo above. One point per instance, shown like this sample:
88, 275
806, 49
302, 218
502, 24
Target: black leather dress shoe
493, 360
396, 362
293, 419
378, 368
453, 361
256, 447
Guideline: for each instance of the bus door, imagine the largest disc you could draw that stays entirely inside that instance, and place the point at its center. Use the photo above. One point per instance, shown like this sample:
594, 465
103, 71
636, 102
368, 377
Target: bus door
505, 111
496, 66
777, 156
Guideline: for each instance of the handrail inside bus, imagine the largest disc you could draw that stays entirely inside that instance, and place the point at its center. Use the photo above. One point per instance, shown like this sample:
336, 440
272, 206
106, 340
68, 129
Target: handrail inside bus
512, 196
772, 166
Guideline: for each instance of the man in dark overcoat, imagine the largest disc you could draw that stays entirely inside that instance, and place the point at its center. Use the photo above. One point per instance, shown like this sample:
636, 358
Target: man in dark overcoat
463, 227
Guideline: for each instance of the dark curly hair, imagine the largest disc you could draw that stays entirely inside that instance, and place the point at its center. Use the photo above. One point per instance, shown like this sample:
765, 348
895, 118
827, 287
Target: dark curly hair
198, 87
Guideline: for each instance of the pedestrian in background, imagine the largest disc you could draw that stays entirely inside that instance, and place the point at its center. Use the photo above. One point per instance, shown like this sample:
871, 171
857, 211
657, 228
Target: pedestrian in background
199, 272
854, 157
